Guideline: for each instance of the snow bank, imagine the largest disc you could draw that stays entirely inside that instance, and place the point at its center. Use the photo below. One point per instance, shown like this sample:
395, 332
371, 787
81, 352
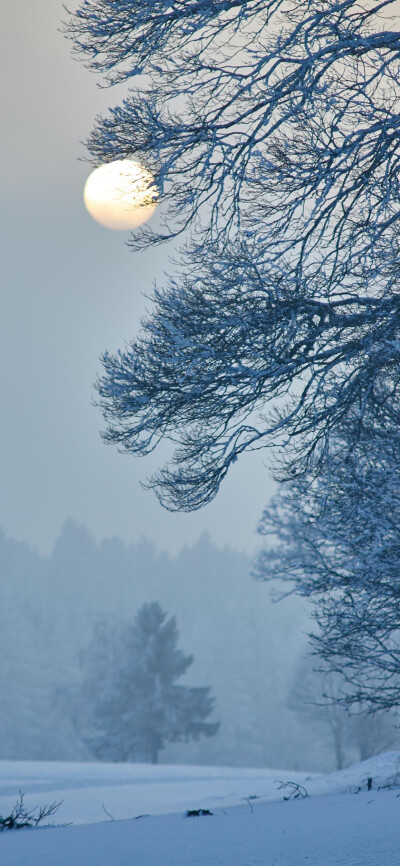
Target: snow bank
338, 829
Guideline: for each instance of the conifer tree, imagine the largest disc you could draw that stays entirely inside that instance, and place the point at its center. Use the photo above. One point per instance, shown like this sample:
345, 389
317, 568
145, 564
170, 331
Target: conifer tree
137, 704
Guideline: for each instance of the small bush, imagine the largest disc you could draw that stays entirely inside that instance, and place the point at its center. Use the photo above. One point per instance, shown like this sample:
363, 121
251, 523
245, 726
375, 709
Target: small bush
22, 817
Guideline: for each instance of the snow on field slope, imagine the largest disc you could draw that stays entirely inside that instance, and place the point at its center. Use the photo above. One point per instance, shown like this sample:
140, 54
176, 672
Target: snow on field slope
342, 827
127, 790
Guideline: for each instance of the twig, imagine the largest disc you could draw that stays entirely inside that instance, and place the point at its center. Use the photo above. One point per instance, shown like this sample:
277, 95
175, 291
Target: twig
108, 813
296, 791
21, 817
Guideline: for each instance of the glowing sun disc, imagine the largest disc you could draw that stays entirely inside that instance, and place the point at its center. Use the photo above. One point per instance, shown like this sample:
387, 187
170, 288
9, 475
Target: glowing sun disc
121, 194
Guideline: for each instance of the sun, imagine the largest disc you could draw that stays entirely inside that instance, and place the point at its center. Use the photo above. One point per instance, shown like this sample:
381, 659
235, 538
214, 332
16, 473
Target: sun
120, 195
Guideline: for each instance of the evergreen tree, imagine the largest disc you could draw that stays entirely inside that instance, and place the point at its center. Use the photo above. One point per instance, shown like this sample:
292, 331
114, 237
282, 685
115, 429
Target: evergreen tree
137, 705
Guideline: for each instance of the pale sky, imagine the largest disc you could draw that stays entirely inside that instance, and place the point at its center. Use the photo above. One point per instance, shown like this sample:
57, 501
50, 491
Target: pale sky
71, 289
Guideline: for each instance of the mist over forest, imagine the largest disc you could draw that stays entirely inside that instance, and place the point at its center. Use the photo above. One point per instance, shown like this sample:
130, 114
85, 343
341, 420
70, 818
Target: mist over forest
246, 648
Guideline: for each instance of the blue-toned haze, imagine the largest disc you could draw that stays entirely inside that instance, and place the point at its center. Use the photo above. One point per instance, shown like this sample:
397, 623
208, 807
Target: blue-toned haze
71, 289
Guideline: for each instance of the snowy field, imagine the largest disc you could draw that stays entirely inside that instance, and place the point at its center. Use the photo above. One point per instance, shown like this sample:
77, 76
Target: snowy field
251, 824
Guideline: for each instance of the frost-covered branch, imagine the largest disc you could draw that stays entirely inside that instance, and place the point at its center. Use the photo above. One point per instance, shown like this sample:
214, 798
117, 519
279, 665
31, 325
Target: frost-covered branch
339, 545
224, 92
273, 131
237, 357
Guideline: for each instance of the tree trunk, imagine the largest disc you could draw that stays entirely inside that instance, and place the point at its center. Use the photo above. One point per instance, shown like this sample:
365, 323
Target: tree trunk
338, 741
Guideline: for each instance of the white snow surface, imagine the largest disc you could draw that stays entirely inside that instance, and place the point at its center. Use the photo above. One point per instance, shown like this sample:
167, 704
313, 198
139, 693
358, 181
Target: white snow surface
340, 822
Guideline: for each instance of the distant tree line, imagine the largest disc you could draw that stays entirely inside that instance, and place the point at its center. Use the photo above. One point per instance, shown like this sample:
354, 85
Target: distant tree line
66, 643
53, 606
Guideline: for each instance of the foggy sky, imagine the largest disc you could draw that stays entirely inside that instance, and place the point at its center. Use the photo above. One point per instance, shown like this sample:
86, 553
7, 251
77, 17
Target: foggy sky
71, 289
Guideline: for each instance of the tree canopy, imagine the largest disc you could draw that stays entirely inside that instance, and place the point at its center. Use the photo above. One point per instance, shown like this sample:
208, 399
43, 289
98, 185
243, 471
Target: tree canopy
338, 544
272, 129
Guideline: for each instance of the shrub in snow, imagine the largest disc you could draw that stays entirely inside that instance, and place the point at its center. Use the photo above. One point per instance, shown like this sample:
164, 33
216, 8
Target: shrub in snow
21, 817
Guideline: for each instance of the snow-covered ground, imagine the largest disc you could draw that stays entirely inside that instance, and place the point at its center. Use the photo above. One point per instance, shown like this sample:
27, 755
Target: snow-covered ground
340, 822
127, 790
